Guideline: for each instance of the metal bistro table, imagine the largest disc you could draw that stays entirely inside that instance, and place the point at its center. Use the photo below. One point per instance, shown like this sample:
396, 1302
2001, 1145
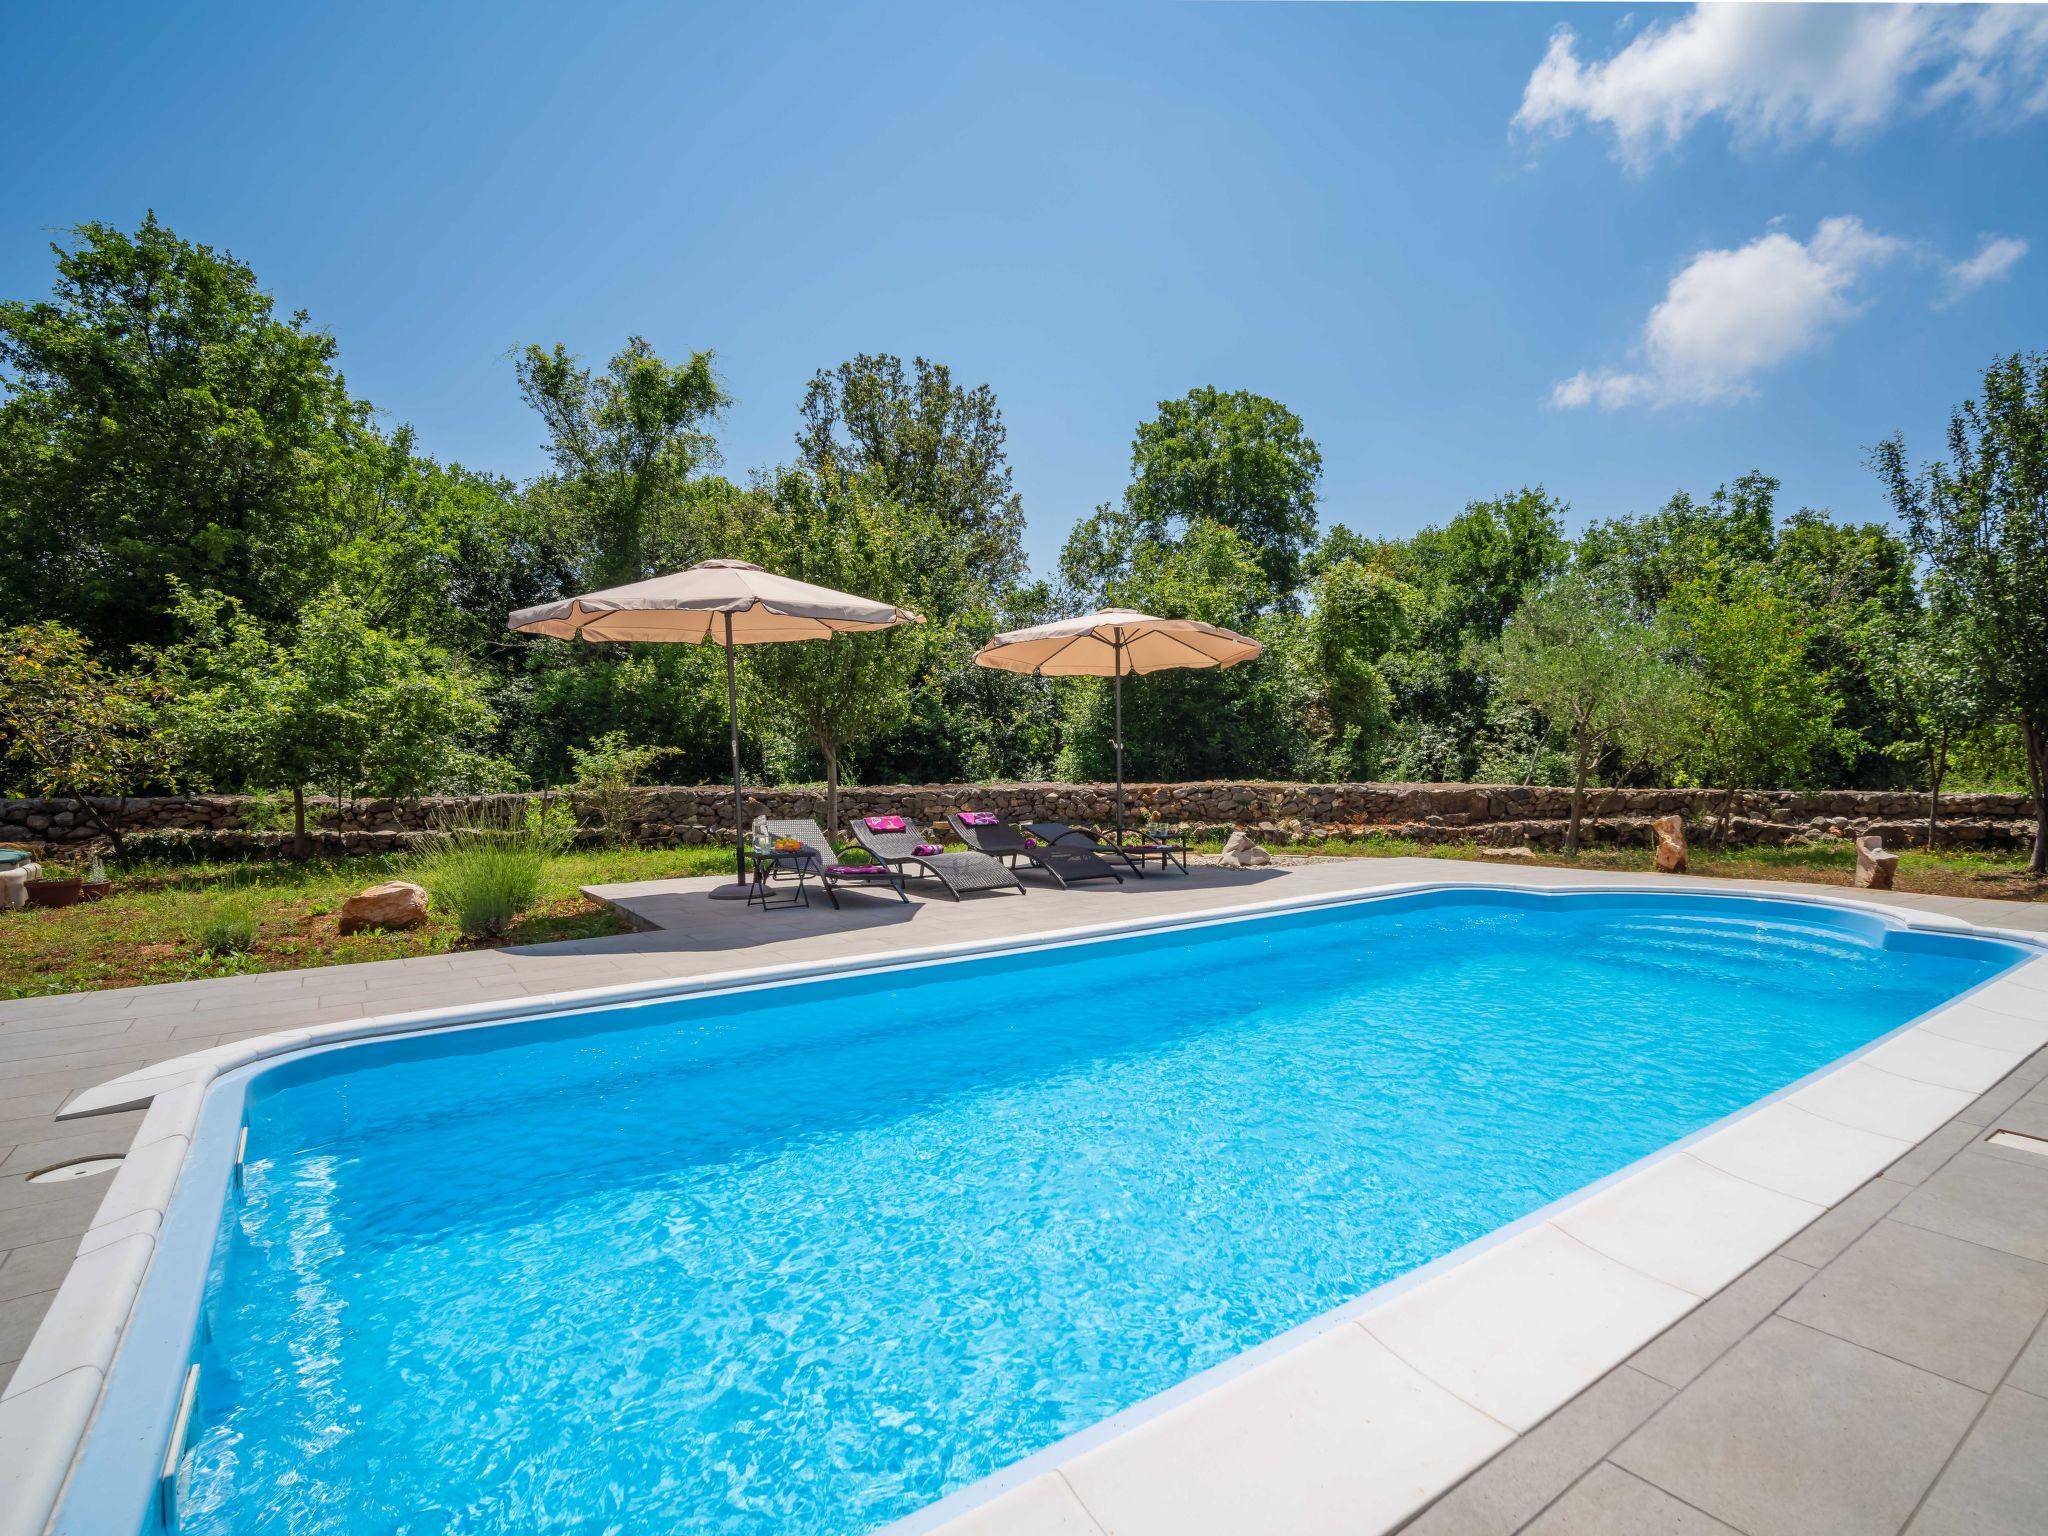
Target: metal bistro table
1168, 845
774, 867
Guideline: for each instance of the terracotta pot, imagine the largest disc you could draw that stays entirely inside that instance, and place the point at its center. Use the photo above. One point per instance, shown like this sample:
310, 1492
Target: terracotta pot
55, 893
93, 890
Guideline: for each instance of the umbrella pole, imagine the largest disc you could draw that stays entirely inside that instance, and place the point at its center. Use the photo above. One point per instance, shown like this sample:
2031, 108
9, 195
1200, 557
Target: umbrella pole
1119, 645
738, 889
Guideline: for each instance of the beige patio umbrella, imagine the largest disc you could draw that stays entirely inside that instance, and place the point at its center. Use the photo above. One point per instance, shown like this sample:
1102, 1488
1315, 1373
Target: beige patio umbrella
729, 602
1109, 644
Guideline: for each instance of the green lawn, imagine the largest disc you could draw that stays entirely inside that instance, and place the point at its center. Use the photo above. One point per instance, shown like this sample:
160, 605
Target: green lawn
145, 931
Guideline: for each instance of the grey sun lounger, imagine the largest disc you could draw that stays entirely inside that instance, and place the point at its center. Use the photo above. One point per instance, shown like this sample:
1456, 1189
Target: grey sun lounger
834, 871
1057, 834
957, 872
999, 840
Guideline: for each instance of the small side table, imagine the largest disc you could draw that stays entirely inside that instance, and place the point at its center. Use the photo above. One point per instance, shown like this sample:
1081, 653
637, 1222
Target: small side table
1169, 847
773, 868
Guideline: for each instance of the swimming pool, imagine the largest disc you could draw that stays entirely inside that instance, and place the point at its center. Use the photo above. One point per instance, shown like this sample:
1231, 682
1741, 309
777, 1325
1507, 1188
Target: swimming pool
810, 1257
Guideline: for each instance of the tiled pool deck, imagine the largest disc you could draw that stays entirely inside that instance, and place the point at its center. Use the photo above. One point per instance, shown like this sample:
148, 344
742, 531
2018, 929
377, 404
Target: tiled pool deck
1885, 1369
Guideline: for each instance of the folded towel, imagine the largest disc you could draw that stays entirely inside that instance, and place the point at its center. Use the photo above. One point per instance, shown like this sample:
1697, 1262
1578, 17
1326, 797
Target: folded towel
926, 850
855, 869
980, 819
886, 824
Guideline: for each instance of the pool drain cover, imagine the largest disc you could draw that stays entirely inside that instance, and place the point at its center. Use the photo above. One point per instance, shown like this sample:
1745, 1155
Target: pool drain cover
84, 1168
2019, 1142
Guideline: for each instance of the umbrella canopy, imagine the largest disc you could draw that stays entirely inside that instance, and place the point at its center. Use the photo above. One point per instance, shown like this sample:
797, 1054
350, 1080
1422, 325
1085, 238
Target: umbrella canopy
728, 602
1111, 643
1114, 642
693, 606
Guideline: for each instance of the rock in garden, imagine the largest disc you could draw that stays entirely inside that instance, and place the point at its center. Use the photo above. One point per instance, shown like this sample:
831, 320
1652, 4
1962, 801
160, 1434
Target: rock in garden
394, 904
1671, 854
1874, 866
1240, 852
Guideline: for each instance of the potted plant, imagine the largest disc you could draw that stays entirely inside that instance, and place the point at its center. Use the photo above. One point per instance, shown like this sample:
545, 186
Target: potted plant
96, 883
56, 889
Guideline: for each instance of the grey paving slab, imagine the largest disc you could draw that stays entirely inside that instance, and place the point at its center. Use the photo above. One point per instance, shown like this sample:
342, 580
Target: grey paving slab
1798, 1433
36, 1267
18, 1320
1515, 1486
1948, 1306
1827, 1235
1998, 1202
1719, 1323
1998, 1483
2030, 1372
1923, 1160
1611, 1502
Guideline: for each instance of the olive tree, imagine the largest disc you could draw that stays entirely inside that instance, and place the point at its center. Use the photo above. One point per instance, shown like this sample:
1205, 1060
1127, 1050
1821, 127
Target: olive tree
1596, 675
1979, 519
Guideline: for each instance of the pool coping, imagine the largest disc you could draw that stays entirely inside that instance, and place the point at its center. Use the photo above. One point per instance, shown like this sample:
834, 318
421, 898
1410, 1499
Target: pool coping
1403, 1354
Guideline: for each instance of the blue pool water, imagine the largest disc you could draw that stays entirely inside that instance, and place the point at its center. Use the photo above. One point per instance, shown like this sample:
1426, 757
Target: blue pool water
805, 1259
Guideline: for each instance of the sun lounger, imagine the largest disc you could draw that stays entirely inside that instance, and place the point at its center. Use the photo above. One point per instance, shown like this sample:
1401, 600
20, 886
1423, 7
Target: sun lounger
832, 870
988, 833
896, 842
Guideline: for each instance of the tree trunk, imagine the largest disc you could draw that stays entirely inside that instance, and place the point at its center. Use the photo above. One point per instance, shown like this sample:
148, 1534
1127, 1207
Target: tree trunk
831, 756
110, 826
298, 821
2036, 736
1571, 832
1937, 770
1727, 818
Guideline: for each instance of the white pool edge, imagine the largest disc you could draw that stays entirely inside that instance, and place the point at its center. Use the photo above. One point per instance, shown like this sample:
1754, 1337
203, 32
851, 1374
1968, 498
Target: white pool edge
1442, 1367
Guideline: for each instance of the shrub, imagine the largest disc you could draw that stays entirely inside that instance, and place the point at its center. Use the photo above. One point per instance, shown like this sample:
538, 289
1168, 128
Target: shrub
606, 774
226, 925
485, 865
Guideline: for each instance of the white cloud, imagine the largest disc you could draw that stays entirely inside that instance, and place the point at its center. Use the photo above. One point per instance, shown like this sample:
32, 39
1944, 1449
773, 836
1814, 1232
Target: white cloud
1731, 315
1787, 73
1998, 255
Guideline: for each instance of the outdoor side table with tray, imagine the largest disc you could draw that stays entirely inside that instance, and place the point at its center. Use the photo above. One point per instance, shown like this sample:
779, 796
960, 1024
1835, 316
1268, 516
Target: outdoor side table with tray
780, 877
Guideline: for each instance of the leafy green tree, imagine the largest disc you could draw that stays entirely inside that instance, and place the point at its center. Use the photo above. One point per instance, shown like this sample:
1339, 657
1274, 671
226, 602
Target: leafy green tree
1232, 459
1980, 519
923, 442
1469, 575
846, 534
1647, 557
1923, 678
335, 703
606, 774
73, 728
1597, 675
626, 444
1761, 714
162, 422
1359, 612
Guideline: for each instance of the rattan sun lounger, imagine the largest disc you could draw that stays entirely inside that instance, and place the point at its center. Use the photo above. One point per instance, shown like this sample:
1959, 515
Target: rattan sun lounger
834, 871
897, 842
988, 833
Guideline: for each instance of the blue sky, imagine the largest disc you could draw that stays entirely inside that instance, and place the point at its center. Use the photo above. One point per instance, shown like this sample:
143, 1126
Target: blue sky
1095, 207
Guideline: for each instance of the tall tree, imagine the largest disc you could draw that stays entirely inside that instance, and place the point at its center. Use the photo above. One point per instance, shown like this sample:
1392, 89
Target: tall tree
1980, 520
1647, 556
1360, 612
1235, 459
927, 443
1761, 714
162, 421
74, 728
625, 444
841, 533
1595, 674
334, 704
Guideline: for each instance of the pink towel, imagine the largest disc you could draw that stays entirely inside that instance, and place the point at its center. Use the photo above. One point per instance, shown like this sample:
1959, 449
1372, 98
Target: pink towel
926, 850
980, 819
855, 869
886, 824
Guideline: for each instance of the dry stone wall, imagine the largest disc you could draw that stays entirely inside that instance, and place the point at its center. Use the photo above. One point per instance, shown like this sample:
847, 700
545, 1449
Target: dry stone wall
1495, 814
